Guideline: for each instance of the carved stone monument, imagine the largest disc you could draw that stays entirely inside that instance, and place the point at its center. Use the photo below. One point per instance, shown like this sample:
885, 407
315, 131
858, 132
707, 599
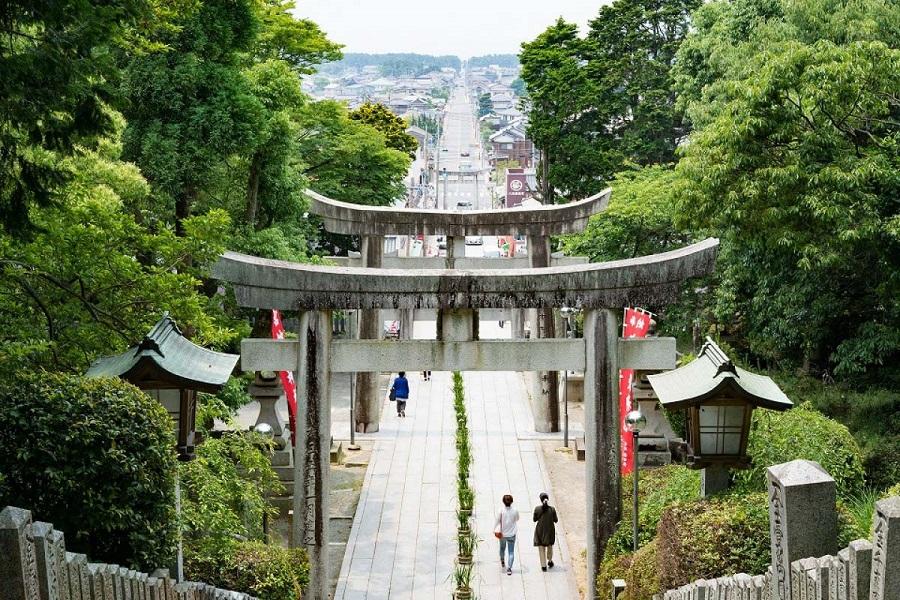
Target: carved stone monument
802, 518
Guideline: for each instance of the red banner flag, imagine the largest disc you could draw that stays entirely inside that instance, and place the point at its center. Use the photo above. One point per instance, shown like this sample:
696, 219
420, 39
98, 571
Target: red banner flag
287, 378
636, 325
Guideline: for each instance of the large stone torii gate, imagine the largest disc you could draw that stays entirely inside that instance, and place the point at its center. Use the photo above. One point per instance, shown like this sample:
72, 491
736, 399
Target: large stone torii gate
372, 223
599, 289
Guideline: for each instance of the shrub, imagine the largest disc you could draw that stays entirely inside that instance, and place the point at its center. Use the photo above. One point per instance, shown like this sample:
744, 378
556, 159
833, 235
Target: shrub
713, 537
801, 433
267, 572
657, 489
224, 489
638, 570
95, 457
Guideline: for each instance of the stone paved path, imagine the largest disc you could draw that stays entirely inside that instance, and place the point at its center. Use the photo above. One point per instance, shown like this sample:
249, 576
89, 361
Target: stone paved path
402, 543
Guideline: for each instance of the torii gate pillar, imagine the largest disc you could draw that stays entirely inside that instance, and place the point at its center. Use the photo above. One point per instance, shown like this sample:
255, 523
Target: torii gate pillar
368, 403
312, 450
601, 435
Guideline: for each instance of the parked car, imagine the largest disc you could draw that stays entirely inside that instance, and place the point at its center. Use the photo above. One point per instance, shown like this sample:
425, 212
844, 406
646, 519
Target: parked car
474, 240
442, 242
444, 150
463, 205
464, 153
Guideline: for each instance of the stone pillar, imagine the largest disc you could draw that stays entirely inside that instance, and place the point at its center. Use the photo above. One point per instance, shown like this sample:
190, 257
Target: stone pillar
367, 412
859, 569
546, 404
311, 454
407, 320
885, 581
18, 564
50, 552
79, 588
802, 518
601, 425
517, 322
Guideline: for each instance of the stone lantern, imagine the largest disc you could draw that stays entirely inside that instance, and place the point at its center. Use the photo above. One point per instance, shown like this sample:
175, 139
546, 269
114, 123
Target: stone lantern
718, 398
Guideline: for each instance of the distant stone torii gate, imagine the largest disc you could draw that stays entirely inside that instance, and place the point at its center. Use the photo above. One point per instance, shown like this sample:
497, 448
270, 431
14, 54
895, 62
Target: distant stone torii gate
538, 224
600, 289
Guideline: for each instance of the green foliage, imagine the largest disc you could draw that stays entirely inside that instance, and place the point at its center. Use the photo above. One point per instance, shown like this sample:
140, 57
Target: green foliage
640, 219
605, 100
190, 106
267, 572
95, 457
92, 279
657, 490
390, 125
778, 437
59, 76
794, 165
485, 106
639, 570
224, 489
872, 415
709, 538
298, 42
348, 160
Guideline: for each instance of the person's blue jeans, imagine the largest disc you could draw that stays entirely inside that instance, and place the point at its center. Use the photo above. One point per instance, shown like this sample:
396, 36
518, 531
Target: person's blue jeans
508, 542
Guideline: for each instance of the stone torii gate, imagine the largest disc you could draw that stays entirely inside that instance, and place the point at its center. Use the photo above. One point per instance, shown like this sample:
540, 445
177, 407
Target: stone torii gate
538, 224
599, 289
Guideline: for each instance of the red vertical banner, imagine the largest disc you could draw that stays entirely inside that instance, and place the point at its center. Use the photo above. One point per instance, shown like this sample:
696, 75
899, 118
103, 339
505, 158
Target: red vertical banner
287, 377
636, 325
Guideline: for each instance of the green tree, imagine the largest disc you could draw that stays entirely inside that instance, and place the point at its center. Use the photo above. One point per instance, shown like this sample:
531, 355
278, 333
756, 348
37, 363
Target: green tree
92, 280
558, 89
94, 457
58, 65
348, 160
639, 221
390, 125
795, 166
630, 50
299, 42
485, 106
190, 105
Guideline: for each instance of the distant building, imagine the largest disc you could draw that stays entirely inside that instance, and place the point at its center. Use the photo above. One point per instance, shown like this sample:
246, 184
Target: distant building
512, 143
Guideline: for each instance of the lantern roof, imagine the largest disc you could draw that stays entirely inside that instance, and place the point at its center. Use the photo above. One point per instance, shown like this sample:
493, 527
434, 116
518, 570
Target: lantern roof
712, 374
165, 359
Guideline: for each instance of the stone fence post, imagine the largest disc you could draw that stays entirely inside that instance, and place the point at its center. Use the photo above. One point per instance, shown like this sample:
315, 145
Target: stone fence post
802, 518
885, 581
34, 565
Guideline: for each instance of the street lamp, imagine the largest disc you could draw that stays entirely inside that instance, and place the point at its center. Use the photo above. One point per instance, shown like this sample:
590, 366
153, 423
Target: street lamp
634, 422
567, 314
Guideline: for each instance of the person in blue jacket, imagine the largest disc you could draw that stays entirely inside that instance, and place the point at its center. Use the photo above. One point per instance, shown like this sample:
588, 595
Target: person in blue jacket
400, 389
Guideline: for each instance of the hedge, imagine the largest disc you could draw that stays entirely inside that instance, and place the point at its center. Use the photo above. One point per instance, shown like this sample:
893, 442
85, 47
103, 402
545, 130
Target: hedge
639, 571
657, 489
95, 457
265, 571
779, 437
713, 537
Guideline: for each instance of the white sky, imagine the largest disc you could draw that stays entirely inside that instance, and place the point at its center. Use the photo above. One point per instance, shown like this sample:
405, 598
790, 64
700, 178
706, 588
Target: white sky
461, 27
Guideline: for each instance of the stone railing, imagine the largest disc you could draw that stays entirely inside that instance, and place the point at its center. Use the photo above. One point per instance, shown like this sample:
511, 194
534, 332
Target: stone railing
34, 565
806, 563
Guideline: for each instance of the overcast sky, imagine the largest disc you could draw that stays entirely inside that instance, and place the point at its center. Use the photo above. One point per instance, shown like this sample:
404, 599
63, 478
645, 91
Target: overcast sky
461, 27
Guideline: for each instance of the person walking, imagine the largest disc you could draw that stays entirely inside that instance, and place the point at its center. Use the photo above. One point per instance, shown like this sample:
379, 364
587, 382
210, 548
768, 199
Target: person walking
506, 526
545, 531
400, 392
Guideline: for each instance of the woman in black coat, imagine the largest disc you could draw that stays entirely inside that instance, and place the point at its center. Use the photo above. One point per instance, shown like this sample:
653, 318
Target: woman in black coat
545, 531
